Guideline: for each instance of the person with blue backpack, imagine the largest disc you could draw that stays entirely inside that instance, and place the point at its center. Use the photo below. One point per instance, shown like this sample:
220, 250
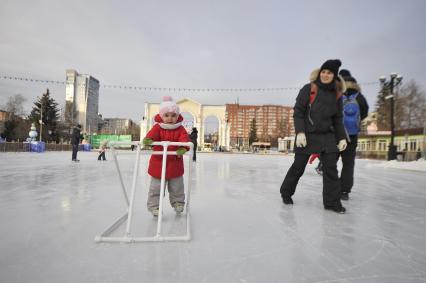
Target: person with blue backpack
355, 109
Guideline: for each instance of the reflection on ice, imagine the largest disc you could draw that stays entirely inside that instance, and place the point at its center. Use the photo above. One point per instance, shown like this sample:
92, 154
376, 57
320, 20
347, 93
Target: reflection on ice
51, 209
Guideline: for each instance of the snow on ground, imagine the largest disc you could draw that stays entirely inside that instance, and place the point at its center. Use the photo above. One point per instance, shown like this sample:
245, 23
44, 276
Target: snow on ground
51, 210
418, 165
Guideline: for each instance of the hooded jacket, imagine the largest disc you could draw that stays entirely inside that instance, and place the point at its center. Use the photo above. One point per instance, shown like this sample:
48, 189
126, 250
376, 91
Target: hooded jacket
322, 122
76, 136
353, 87
167, 132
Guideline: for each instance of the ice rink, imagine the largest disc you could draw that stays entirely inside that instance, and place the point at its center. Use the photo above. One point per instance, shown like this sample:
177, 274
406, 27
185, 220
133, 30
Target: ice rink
51, 210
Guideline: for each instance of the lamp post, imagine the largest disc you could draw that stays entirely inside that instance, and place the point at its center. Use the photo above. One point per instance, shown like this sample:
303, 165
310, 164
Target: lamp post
41, 118
387, 87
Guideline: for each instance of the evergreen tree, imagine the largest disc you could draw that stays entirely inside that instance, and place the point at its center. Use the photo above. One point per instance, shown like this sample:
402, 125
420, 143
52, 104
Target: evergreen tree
383, 111
9, 133
50, 116
253, 132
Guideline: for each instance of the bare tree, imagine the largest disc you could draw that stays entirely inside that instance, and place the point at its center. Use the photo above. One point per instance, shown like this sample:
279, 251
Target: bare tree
15, 105
410, 107
413, 103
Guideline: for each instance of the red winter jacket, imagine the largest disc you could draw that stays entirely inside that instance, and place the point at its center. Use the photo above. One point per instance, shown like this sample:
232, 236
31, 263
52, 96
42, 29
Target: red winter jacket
174, 166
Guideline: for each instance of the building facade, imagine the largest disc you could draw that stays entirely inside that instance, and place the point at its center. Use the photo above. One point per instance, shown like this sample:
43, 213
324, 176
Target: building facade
82, 101
4, 116
410, 143
117, 126
272, 122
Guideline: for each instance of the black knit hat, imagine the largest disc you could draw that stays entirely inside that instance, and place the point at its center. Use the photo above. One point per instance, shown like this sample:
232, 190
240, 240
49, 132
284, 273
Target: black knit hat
347, 76
332, 65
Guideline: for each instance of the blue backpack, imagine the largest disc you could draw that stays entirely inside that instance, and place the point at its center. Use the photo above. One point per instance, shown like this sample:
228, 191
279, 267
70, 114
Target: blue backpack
351, 114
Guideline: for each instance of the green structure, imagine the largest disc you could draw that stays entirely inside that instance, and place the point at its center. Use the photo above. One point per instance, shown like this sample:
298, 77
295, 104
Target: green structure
96, 140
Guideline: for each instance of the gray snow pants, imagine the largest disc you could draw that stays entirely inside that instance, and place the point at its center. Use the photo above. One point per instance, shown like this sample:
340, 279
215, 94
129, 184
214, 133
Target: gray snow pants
176, 191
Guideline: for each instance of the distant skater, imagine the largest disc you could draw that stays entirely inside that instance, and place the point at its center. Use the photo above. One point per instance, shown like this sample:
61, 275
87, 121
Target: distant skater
102, 150
194, 139
75, 141
318, 169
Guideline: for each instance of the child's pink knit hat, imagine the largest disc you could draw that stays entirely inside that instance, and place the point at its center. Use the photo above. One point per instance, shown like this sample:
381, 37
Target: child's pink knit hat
168, 105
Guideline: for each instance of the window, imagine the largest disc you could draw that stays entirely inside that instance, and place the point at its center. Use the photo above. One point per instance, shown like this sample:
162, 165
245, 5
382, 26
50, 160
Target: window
413, 145
382, 145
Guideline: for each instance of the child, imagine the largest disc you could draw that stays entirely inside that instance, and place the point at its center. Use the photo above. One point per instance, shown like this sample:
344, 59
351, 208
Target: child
314, 156
168, 128
102, 149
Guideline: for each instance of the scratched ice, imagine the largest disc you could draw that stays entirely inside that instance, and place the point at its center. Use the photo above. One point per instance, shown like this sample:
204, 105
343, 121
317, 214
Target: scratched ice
51, 210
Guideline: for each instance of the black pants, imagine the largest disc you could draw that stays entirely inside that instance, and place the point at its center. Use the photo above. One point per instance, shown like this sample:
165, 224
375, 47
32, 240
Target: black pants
194, 156
348, 162
102, 155
74, 151
330, 179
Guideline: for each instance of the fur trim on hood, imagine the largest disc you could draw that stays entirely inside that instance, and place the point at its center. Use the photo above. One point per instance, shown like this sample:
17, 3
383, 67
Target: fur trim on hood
353, 85
340, 82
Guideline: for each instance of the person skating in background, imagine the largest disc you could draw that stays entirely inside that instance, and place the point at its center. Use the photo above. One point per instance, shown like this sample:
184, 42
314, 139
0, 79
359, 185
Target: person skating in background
355, 109
194, 139
314, 156
75, 141
102, 150
319, 129
168, 128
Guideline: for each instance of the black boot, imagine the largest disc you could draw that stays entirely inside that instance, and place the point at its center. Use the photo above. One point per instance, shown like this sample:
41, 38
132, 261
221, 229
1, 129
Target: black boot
287, 200
344, 196
339, 209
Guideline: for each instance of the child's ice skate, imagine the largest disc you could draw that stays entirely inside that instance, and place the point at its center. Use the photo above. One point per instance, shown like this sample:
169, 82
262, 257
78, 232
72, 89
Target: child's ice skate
178, 207
154, 211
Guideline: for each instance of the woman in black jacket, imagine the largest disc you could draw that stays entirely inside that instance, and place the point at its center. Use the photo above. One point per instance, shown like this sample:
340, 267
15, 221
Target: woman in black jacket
319, 129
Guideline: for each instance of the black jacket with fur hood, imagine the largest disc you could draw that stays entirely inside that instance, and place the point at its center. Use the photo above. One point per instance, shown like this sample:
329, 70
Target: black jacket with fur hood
322, 122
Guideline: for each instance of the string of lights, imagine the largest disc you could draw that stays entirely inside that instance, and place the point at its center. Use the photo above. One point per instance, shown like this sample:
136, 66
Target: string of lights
165, 89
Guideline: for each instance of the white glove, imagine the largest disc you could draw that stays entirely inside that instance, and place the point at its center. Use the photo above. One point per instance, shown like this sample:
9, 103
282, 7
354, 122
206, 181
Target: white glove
300, 140
342, 145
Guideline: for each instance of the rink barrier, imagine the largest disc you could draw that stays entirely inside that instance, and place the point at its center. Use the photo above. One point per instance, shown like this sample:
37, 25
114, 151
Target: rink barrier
127, 217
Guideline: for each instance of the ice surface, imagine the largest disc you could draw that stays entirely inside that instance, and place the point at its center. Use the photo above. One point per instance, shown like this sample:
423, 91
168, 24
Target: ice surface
51, 209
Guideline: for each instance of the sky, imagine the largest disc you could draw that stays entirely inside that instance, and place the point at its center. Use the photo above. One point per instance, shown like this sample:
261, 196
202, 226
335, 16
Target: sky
205, 45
